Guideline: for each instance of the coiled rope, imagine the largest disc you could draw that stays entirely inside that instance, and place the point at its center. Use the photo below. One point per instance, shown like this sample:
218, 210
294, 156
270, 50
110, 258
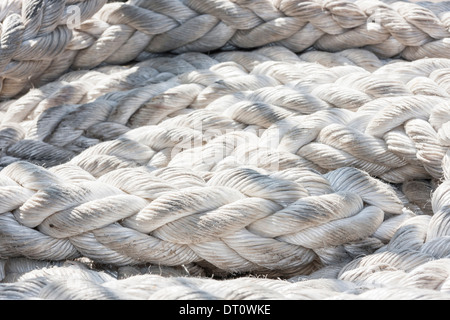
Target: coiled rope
338, 114
391, 278
315, 166
121, 32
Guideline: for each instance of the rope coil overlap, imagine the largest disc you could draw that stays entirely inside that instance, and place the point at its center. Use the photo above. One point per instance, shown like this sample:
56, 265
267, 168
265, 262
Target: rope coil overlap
166, 141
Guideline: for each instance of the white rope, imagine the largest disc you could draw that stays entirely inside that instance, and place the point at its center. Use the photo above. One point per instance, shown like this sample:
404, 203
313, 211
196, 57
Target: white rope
428, 281
402, 27
131, 216
233, 163
336, 116
35, 35
75, 216
85, 34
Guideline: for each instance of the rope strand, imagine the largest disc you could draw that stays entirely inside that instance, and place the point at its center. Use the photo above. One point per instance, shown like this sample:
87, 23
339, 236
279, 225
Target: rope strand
118, 33
320, 156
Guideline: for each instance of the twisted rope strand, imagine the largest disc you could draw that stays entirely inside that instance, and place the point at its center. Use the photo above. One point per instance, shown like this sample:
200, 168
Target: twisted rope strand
286, 117
40, 43
36, 33
79, 281
237, 162
216, 210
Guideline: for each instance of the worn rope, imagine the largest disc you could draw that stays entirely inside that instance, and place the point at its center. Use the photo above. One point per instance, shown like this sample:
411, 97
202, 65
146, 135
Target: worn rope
122, 32
406, 276
205, 177
328, 169
35, 35
405, 28
343, 112
235, 221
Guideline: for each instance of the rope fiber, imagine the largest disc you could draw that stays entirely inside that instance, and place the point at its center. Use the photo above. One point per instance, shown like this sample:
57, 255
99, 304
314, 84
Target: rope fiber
224, 149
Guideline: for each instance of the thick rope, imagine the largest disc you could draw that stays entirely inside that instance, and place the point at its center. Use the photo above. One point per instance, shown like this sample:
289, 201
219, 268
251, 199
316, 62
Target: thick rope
205, 181
385, 280
35, 35
341, 113
402, 28
258, 162
173, 217
122, 32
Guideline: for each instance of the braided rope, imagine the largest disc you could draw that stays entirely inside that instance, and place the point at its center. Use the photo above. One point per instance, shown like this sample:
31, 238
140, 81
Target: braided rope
121, 32
401, 28
341, 112
260, 162
384, 281
206, 184
132, 216
34, 37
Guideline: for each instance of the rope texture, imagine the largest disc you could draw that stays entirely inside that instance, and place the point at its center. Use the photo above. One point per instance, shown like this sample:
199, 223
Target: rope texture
121, 32
34, 38
316, 167
338, 114
203, 185
403, 276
